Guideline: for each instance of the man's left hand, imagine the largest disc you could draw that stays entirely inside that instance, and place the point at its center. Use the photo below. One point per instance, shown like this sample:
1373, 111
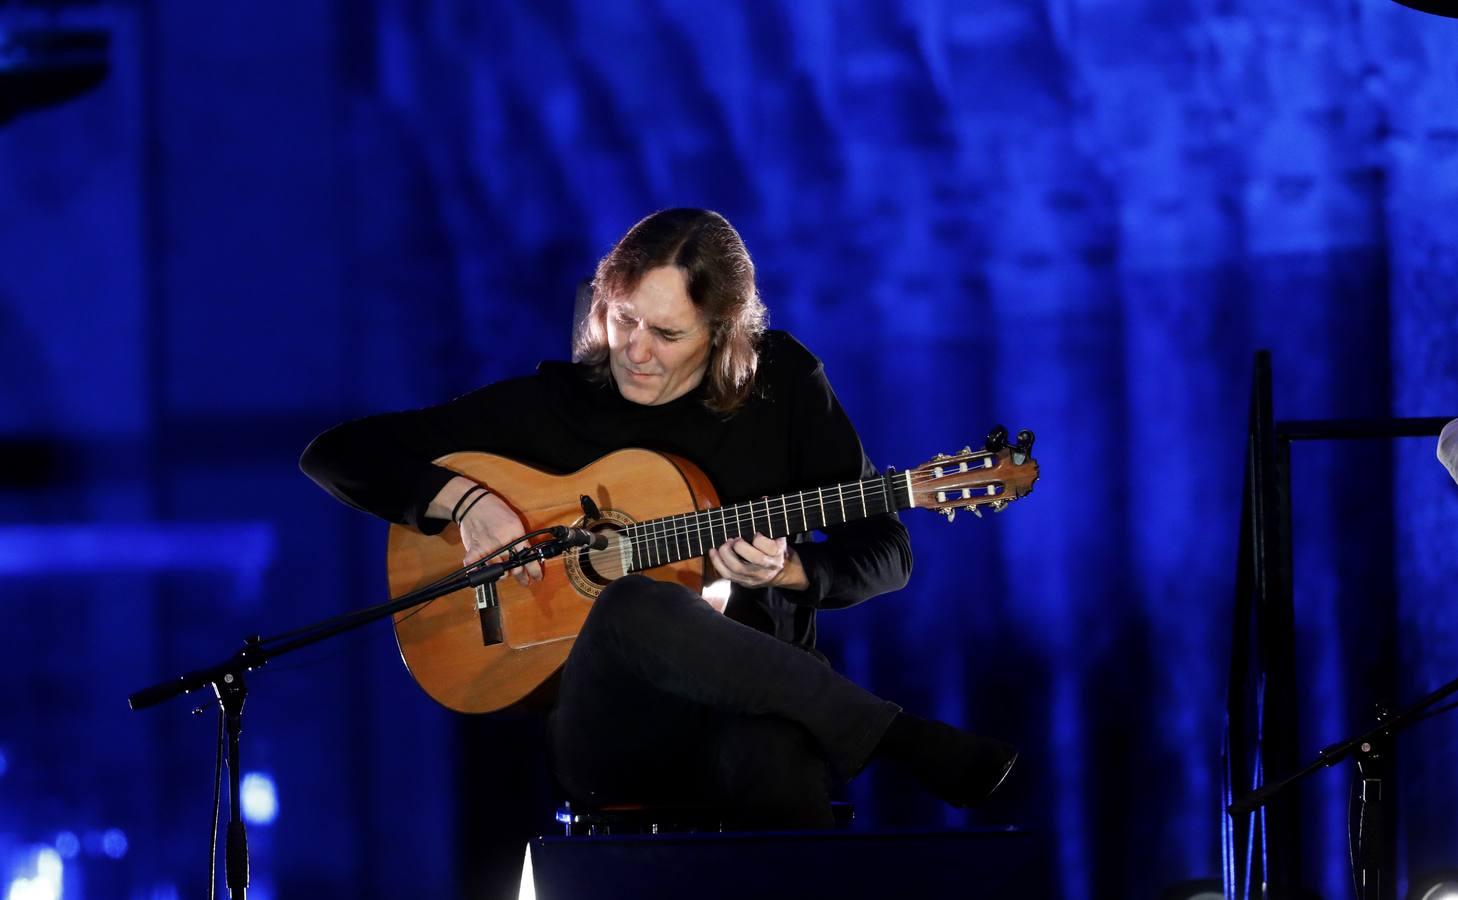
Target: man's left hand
762, 562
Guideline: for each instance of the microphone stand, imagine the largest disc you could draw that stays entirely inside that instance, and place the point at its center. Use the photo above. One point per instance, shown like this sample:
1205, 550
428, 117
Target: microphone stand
1372, 751
226, 677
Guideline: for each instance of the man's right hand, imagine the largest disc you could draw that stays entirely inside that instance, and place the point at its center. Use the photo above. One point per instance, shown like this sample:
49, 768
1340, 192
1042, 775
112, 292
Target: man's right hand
487, 524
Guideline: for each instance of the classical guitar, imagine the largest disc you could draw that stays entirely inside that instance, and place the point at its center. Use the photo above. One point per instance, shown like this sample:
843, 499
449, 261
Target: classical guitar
494, 647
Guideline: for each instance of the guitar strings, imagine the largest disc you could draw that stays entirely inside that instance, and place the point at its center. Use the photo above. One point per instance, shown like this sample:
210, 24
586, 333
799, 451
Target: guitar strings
874, 487
635, 531
695, 522
647, 532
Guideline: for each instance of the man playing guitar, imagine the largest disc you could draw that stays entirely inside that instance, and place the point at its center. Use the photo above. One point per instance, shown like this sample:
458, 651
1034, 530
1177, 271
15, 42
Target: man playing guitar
662, 698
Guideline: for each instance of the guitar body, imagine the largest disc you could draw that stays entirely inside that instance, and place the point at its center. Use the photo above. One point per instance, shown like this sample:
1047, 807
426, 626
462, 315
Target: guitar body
442, 642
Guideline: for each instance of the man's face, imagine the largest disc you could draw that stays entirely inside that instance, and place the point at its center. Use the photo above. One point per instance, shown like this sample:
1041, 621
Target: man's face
658, 341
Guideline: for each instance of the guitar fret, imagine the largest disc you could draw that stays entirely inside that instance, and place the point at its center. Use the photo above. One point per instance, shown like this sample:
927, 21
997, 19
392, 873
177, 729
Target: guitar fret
821, 495
910, 502
682, 539
864, 512
840, 494
785, 512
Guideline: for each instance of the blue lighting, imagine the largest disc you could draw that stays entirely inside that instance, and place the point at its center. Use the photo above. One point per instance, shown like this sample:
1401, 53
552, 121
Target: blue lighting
4, 764
260, 799
68, 845
114, 843
245, 549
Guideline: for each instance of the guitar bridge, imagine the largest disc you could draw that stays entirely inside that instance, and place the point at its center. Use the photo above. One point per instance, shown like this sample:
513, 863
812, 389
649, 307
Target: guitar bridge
490, 612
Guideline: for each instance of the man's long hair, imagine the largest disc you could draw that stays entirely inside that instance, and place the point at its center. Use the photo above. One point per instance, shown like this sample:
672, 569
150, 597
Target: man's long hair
720, 279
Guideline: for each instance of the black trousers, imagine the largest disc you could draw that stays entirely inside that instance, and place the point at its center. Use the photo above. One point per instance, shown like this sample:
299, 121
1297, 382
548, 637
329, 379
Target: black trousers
663, 700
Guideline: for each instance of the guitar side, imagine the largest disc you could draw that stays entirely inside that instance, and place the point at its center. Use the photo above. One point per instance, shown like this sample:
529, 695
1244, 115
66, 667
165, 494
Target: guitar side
441, 642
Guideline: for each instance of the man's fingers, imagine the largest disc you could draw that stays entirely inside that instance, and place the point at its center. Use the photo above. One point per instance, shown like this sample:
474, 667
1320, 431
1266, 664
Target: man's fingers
762, 552
770, 547
731, 566
717, 559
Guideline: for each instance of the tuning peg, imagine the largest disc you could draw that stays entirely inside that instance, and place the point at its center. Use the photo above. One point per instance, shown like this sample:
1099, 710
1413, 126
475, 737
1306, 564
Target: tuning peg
996, 439
940, 457
976, 511
949, 512
999, 505
966, 450
1024, 447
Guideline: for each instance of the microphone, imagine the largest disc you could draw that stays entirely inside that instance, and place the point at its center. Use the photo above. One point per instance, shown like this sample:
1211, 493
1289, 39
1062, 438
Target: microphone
579, 537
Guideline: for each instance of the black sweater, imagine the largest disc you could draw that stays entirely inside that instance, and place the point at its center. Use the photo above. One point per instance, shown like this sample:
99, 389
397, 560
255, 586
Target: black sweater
790, 435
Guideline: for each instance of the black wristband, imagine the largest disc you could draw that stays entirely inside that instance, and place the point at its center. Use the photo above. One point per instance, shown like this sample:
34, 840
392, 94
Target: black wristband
469, 491
472, 505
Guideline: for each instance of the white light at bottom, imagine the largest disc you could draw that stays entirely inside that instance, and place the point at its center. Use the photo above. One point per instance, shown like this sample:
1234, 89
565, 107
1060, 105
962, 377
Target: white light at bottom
528, 889
45, 884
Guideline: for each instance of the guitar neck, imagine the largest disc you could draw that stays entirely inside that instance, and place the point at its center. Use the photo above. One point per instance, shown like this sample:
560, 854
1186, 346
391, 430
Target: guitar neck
658, 542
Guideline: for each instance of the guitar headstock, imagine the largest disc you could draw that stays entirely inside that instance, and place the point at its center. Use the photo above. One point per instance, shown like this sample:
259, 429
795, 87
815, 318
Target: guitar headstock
992, 477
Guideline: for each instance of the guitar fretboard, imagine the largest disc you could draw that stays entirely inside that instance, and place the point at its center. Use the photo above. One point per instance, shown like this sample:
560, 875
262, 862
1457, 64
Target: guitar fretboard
658, 542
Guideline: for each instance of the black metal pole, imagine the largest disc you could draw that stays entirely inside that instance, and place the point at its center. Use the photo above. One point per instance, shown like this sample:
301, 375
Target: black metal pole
231, 693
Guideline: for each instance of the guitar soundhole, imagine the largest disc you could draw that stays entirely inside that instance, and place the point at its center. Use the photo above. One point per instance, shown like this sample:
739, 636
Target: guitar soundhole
590, 561
590, 571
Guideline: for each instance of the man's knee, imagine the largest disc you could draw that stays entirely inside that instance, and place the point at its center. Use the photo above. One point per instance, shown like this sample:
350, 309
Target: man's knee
638, 603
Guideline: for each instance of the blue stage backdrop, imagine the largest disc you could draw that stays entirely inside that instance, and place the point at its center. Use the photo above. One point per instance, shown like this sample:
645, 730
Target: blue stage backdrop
1077, 217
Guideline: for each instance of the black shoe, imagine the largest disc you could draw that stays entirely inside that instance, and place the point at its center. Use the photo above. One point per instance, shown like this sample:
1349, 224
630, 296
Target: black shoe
960, 767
